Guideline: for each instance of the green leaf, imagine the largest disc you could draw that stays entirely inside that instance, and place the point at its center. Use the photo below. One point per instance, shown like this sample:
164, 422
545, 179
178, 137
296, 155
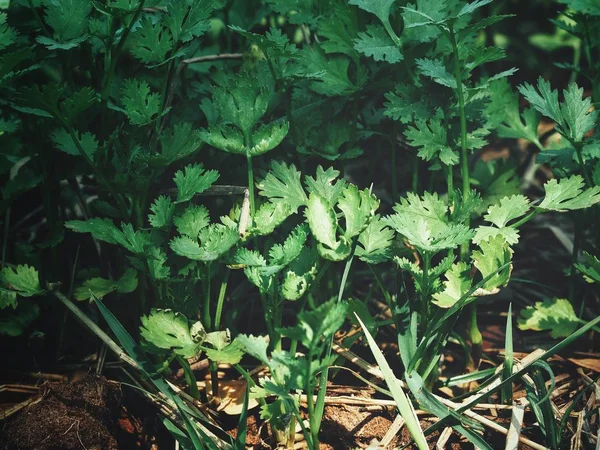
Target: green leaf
406, 105
193, 180
423, 221
433, 140
267, 137
282, 184
141, 106
68, 20
435, 69
269, 216
469, 8
8, 35
101, 229
101, 287
16, 322
24, 280
177, 143
156, 264
590, 268
78, 102
186, 23
568, 194
493, 254
590, 7
249, 257
376, 42
573, 117
358, 208
556, 315
283, 254
255, 346
301, 272
503, 113
151, 42
325, 184
230, 354
483, 233
162, 212
318, 324
509, 208
334, 69
192, 221
380, 8
418, 19
339, 29
63, 141
215, 240
322, 221
7, 299
224, 137
374, 243
457, 285
243, 100
168, 330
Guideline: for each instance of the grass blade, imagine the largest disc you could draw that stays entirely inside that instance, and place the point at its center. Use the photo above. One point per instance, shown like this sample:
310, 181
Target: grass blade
402, 402
507, 366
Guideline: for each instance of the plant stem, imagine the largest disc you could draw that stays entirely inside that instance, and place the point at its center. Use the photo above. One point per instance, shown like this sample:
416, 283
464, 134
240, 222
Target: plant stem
221, 299
206, 318
190, 378
250, 184
586, 175
425, 288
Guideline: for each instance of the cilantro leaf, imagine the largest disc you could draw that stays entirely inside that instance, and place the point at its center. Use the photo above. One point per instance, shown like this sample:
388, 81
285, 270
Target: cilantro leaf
168, 330
433, 140
63, 141
231, 353
334, 78
162, 212
151, 42
283, 254
590, 7
436, 70
374, 243
105, 230
493, 254
406, 105
509, 208
590, 268
376, 42
242, 100
358, 208
324, 184
177, 143
282, 184
269, 216
215, 240
555, 314
573, 117
100, 287
156, 264
423, 221
68, 20
568, 194
15, 323
186, 23
469, 8
23, 280
193, 180
380, 8
457, 284
321, 219
247, 257
140, 105
301, 272
8, 35
193, 219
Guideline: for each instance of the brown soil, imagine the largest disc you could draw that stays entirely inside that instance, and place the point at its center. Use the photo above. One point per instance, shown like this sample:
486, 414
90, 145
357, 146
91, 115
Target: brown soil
67, 415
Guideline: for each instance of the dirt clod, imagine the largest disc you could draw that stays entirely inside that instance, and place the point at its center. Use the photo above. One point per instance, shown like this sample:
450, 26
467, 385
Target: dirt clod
67, 415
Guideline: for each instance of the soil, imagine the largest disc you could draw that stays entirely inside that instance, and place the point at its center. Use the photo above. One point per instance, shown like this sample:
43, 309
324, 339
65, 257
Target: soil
68, 416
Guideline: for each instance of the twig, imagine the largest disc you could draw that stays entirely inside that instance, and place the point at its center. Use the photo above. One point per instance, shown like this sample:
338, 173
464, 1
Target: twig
441, 443
514, 430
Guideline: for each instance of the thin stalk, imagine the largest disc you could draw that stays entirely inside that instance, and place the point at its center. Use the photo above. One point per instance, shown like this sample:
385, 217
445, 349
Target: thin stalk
394, 175
39, 19
206, 317
425, 288
450, 184
415, 175
250, 184
586, 175
190, 378
221, 299
315, 419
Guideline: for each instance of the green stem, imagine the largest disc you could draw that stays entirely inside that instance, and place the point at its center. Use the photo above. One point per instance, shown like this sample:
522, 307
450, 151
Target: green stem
450, 184
573, 274
39, 19
415, 175
394, 175
250, 184
221, 299
464, 157
190, 378
206, 317
586, 175
425, 289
